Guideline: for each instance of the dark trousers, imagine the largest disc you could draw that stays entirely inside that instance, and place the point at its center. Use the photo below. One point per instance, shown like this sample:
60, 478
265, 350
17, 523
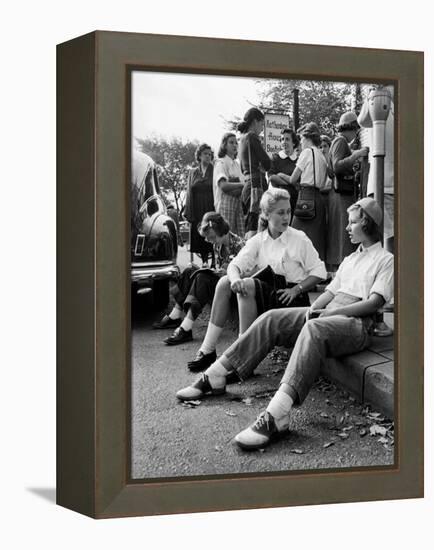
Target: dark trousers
195, 292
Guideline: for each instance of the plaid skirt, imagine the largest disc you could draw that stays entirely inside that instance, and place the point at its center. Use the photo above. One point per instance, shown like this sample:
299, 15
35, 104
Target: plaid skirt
232, 210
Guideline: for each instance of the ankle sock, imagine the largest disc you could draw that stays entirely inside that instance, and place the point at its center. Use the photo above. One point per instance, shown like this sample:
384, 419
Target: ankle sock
212, 335
217, 374
187, 323
176, 313
280, 405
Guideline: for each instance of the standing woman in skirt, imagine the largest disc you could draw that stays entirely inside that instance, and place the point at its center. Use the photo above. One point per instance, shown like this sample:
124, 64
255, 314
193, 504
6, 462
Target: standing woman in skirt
311, 172
342, 160
200, 199
228, 184
254, 163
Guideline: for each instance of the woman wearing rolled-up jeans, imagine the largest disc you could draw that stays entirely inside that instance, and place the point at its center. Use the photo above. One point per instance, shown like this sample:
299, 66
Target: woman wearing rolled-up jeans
338, 323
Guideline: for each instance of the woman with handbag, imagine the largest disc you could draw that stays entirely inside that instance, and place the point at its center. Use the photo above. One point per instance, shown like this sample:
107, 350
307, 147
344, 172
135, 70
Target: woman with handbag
254, 163
311, 172
276, 250
344, 190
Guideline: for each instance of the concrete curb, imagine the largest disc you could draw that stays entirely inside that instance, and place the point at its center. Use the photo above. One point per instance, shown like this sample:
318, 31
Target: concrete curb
368, 375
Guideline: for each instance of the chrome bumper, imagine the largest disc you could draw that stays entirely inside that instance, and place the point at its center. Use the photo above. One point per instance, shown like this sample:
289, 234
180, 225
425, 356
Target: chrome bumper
147, 274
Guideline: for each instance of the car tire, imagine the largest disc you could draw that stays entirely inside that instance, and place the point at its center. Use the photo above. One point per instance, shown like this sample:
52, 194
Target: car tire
161, 294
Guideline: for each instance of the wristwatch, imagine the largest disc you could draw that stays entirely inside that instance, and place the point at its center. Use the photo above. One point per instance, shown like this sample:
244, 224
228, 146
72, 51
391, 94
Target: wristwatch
300, 288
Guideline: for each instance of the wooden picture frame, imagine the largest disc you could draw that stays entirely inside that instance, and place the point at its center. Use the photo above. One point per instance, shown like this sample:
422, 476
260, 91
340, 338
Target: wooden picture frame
93, 274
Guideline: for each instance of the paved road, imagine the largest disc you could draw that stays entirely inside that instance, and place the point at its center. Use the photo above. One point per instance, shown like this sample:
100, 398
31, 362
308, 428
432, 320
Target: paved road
331, 430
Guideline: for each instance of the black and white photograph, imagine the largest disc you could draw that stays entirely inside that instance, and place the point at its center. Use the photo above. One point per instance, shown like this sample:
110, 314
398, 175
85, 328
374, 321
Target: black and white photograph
262, 275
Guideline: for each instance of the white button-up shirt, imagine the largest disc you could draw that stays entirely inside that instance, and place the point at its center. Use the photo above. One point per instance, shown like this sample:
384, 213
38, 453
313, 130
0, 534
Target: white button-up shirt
292, 255
364, 272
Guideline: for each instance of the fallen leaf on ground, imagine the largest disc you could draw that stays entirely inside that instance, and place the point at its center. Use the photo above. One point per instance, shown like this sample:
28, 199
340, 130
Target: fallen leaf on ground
329, 444
324, 415
347, 428
383, 440
343, 435
377, 430
363, 432
230, 413
194, 403
297, 451
217, 448
248, 401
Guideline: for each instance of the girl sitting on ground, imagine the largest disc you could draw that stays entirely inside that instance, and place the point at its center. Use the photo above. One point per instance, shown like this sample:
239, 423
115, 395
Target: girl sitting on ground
195, 287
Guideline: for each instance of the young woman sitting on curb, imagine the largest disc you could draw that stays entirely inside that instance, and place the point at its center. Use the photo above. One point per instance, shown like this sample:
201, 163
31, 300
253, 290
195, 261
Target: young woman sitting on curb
337, 323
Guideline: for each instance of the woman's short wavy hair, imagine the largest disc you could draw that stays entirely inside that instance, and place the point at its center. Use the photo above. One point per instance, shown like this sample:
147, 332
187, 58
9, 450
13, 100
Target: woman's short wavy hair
224, 144
268, 203
291, 132
214, 221
203, 147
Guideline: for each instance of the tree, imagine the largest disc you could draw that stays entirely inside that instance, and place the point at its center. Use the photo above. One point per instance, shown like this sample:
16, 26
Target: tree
321, 102
174, 158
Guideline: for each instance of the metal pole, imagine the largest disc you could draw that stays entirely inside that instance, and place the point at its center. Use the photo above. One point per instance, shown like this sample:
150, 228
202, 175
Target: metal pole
295, 109
379, 106
378, 166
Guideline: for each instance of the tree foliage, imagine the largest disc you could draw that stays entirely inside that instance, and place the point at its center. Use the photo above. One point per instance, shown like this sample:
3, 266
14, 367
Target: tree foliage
321, 102
174, 159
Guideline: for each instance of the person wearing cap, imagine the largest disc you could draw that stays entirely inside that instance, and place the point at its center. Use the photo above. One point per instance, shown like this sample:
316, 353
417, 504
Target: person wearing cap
341, 162
337, 323
311, 173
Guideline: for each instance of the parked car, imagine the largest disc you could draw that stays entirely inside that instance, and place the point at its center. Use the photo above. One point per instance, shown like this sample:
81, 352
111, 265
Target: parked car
154, 239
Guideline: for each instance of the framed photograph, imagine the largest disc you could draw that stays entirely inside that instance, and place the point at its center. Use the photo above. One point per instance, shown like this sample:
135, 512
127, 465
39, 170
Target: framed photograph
147, 125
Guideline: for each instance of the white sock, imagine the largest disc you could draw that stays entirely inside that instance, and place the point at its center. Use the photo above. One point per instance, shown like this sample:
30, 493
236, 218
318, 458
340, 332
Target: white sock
212, 335
176, 313
188, 322
280, 404
217, 374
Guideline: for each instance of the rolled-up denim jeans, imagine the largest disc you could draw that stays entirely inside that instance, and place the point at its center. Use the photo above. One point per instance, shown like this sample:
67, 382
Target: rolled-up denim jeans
313, 341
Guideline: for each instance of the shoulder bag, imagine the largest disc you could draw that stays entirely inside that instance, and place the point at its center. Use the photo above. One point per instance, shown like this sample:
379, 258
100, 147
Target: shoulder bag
305, 206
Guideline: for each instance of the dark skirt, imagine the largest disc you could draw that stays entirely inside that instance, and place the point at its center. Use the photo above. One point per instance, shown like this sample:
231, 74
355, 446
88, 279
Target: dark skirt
266, 297
251, 219
316, 228
197, 243
194, 292
338, 242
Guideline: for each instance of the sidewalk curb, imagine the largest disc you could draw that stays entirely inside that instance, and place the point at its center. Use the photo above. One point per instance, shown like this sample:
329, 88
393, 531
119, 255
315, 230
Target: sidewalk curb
368, 375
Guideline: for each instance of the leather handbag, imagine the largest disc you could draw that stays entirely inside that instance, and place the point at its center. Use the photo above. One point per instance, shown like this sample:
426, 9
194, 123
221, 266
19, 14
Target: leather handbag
267, 275
305, 206
344, 184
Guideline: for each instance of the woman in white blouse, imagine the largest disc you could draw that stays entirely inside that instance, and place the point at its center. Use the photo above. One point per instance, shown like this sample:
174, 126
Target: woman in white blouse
228, 184
311, 172
286, 250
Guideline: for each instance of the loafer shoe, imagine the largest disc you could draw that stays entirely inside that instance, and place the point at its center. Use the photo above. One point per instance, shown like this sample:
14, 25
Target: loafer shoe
199, 389
261, 432
202, 361
178, 337
167, 322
